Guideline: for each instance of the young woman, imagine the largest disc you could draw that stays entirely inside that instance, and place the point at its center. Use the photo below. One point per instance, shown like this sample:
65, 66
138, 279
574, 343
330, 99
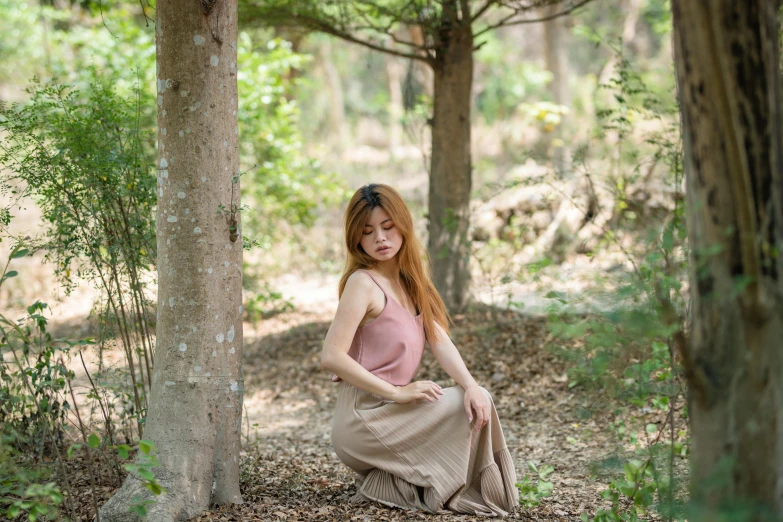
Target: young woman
414, 445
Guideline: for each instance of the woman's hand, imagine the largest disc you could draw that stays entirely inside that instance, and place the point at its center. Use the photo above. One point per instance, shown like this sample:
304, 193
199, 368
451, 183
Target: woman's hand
418, 390
476, 401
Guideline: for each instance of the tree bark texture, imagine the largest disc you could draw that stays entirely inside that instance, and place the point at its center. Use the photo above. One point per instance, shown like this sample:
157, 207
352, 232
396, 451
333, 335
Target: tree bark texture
195, 408
450, 176
727, 67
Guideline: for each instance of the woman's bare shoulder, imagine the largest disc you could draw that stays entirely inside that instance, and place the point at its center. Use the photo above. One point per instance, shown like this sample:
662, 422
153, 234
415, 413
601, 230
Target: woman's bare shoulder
358, 283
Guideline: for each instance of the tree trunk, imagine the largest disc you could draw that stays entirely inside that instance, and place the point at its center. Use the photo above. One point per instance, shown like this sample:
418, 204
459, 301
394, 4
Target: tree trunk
556, 51
295, 36
196, 399
726, 56
338, 130
450, 178
395, 74
422, 72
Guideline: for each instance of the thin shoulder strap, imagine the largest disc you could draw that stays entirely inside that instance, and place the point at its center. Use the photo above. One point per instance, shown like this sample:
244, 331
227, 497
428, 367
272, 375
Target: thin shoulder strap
376, 282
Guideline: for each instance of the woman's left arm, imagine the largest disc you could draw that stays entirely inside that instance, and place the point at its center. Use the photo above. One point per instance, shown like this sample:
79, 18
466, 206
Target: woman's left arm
451, 361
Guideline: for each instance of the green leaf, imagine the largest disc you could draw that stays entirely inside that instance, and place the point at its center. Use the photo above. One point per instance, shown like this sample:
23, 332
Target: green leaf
141, 511
9, 275
560, 296
627, 489
156, 488
20, 253
72, 448
146, 446
146, 474
122, 451
93, 441
651, 428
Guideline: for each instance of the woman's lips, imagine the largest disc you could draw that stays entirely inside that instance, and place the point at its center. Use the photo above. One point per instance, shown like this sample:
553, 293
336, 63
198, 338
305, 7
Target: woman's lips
383, 249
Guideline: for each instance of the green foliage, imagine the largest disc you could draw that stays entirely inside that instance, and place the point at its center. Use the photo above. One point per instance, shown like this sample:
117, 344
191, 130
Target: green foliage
33, 414
33, 410
658, 13
623, 349
266, 303
534, 486
282, 186
142, 468
80, 156
32, 377
24, 488
506, 80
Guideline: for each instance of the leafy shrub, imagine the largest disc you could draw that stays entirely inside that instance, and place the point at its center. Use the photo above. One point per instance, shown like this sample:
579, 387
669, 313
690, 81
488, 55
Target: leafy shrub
534, 486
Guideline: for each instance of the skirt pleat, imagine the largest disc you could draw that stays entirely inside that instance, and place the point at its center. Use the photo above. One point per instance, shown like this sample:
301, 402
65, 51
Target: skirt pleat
424, 455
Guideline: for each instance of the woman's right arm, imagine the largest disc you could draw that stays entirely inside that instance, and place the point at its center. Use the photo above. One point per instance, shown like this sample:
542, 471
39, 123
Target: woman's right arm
353, 305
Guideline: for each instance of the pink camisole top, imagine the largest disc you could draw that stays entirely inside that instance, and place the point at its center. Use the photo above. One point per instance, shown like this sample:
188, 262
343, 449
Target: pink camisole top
390, 346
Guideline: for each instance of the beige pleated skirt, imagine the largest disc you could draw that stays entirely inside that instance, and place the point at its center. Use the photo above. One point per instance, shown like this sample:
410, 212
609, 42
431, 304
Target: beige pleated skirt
424, 455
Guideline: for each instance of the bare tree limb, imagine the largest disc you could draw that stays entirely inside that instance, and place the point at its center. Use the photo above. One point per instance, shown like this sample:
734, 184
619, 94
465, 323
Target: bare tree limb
483, 9
319, 25
508, 20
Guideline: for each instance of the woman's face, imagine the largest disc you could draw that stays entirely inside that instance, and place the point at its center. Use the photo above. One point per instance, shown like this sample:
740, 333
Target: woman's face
381, 239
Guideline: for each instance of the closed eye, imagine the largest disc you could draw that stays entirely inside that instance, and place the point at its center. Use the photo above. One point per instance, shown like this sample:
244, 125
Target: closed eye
385, 228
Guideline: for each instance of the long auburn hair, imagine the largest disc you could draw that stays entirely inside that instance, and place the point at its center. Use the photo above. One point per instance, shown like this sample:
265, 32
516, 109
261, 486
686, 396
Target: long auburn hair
413, 260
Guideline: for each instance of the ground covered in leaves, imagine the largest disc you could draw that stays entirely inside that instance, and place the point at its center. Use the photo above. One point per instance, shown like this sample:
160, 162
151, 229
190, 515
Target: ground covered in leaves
289, 471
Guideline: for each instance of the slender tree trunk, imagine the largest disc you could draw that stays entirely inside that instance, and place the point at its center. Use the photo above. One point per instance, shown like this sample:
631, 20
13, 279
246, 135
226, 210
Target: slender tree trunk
450, 178
196, 400
395, 73
727, 66
421, 71
556, 49
338, 128
295, 35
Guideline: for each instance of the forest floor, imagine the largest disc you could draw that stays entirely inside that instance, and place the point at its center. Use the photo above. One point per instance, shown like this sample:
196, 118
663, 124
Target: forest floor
289, 471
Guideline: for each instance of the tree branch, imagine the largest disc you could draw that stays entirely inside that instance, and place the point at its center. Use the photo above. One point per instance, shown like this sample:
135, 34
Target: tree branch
508, 21
483, 9
465, 20
323, 26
